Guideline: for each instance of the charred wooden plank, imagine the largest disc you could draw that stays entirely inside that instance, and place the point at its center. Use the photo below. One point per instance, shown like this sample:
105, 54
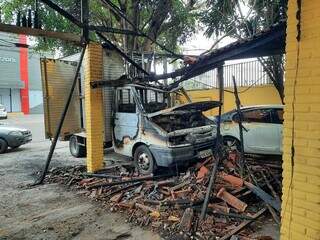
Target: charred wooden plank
264, 196
242, 225
138, 179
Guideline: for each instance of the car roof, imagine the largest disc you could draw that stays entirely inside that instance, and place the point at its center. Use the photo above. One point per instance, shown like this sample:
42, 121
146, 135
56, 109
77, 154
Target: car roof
263, 106
276, 106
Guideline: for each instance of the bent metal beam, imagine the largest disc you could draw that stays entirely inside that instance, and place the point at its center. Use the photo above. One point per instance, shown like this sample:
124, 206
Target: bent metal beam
70, 37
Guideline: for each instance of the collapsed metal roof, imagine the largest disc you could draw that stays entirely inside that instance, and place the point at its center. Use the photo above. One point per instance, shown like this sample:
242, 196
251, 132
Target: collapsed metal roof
266, 43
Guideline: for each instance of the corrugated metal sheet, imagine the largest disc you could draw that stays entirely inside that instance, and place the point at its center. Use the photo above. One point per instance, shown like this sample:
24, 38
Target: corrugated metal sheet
57, 78
113, 68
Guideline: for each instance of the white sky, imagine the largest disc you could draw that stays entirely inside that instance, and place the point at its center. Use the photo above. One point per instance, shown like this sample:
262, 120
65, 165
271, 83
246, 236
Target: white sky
199, 44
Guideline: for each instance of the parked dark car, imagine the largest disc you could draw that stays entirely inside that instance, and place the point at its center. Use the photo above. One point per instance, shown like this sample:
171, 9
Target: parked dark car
13, 137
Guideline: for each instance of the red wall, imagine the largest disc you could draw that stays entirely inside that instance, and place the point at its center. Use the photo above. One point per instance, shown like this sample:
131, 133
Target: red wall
24, 93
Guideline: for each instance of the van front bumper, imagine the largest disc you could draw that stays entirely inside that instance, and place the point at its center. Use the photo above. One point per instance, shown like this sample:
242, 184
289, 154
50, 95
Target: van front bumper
167, 157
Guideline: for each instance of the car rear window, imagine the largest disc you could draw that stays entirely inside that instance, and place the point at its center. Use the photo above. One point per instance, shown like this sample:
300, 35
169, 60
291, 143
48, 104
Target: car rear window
278, 116
255, 115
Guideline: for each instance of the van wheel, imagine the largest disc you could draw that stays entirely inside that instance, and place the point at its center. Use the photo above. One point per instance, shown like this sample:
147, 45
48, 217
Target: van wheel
76, 150
231, 144
144, 161
3, 146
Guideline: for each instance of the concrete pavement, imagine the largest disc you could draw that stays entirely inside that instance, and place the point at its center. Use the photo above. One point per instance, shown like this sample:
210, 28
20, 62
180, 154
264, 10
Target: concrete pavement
51, 211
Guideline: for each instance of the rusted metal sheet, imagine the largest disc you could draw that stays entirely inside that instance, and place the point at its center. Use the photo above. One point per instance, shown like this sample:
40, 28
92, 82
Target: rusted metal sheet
57, 77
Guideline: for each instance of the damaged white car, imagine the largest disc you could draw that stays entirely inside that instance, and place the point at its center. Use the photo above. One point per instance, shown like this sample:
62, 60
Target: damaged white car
262, 132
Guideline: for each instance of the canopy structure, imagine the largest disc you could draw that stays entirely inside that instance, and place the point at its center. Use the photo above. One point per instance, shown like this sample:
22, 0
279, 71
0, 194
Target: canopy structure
266, 43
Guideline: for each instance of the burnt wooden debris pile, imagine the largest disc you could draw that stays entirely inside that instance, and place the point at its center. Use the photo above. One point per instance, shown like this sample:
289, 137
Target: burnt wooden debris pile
171, 203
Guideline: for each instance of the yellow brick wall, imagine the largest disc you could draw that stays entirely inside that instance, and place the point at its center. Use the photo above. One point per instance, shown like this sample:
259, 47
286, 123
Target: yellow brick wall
301, 184
257, 95
93, 71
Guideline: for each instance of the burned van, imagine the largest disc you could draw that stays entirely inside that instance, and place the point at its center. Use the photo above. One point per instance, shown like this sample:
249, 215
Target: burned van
154, 134
142, 122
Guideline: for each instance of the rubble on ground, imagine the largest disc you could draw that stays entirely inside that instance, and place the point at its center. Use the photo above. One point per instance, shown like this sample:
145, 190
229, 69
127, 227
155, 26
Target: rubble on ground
171, 203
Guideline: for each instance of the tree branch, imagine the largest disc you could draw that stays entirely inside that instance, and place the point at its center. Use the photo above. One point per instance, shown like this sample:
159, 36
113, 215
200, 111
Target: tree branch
161, 12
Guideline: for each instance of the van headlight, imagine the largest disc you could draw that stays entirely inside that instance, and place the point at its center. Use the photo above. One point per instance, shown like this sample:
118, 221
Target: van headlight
16, 134
177, 140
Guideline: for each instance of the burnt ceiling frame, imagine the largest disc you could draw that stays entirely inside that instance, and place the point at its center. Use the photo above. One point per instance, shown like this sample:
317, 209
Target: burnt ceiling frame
80, 24
271, 42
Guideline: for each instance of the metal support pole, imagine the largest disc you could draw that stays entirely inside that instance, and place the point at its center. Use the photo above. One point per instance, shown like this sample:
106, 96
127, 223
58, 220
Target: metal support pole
85, 20
36, 15
10, 100
81, 91
165, 70
238, 104
63, 116
220, 74
154, 63
218, 152
64, 13
142, 61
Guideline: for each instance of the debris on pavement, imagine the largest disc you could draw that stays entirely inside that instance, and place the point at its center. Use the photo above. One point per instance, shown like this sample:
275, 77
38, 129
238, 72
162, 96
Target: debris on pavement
171, 203
231, 200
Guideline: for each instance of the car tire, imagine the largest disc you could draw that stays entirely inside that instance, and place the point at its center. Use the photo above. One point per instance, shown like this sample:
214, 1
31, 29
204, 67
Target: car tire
76, 150
144, 160
3, 146
231, 144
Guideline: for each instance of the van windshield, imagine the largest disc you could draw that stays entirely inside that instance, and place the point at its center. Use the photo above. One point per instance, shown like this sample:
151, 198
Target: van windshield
153, 100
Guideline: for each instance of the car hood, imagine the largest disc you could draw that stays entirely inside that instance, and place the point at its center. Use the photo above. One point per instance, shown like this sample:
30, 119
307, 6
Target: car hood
196, 106
4, 127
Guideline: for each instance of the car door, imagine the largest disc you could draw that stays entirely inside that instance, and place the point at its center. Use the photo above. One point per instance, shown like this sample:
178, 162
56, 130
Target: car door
260, 133
126, 120
278, 121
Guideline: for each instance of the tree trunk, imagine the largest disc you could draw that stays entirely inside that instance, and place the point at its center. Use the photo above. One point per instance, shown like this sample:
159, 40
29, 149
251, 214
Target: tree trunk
160, 15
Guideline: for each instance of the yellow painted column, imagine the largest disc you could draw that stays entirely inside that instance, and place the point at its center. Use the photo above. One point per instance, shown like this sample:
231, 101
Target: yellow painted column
300, 216
93, 71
